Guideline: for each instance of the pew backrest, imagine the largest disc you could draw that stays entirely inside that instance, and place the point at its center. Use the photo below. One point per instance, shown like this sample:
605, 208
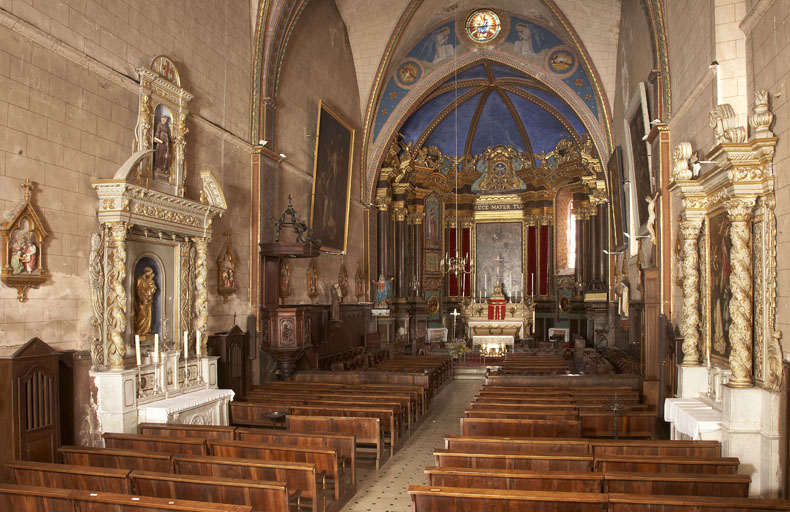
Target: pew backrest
113, 458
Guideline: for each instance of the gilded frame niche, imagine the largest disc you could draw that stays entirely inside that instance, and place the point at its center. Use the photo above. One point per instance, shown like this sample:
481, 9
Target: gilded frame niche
23, 252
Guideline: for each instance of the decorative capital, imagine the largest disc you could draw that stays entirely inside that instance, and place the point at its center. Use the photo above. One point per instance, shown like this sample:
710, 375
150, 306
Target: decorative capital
763, 117
690, 229
681, 157
740, 209
722, 119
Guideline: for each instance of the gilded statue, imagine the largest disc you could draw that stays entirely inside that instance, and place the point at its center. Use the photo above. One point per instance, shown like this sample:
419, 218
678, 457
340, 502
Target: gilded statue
145, 288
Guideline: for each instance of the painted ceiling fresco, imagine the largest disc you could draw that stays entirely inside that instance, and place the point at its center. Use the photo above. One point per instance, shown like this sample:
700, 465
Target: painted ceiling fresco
489, 103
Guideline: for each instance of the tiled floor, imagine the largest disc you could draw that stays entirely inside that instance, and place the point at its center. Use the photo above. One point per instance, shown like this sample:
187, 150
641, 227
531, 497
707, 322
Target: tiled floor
385, 490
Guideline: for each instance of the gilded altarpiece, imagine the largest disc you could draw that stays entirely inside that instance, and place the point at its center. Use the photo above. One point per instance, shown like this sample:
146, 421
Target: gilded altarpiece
735, 253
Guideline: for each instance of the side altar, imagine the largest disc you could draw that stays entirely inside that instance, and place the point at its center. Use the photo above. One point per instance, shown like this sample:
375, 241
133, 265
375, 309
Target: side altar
148, 274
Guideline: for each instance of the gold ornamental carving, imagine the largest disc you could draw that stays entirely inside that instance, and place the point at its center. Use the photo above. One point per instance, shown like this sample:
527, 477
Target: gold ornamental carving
739, 212
691, 318
96, 279
116, 310
201, 291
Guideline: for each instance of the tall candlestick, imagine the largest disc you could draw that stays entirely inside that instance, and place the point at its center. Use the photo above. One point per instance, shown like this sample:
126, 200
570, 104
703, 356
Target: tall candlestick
156, 348
137, 348
197, 345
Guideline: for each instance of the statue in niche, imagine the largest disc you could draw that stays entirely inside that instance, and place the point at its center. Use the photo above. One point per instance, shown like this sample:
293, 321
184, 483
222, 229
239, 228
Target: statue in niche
145, 288
162, 140
651, 216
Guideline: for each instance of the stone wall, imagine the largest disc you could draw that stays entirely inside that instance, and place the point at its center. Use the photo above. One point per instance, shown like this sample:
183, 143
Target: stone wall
318, 66
68, 99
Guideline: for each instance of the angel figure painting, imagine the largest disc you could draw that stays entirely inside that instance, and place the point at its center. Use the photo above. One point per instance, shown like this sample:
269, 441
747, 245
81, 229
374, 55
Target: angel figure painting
719, 279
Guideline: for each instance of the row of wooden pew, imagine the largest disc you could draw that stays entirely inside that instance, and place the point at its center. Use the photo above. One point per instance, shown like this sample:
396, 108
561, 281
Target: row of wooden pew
531, 364
558, 412
509, 464
266, 470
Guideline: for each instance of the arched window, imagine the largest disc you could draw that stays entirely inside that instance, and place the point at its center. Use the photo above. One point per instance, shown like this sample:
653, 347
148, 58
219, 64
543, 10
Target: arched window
570, 231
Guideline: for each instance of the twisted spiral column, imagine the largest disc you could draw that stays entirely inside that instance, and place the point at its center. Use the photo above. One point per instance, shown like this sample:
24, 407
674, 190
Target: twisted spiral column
740, 212
690, 230
201, 291
116, 348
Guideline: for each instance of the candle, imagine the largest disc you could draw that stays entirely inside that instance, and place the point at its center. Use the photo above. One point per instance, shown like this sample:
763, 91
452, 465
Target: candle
137, 348
186, 345
485, 283
197, 345
533, 284
156, 348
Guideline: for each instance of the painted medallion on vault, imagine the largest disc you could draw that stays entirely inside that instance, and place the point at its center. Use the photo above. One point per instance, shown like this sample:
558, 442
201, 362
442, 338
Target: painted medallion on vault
483, 26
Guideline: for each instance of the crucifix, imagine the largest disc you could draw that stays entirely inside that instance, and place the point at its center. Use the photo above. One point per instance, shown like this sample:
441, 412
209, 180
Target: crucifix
455, 314
499, 260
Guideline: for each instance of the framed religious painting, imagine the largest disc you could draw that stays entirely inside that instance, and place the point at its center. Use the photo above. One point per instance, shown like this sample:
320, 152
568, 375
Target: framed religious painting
329, 208
433, 221
616, 198
718, 284
23, 236
639, 156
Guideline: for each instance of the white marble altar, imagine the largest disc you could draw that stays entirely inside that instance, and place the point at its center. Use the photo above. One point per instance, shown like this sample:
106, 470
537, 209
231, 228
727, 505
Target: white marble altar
204, 407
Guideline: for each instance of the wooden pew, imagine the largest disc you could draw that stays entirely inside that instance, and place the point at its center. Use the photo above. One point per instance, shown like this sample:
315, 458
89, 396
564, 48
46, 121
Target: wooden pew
519, 428
65, 476
524, 461
387, 416
196, 431
460, 499
260, 496
655, 464
486, 444
345, 445
601, 447
161, 444
367, 431
326, 460
299, 476
506, 413
646, 503
23, 498
629, 424
512, 479
686, 484
113, 458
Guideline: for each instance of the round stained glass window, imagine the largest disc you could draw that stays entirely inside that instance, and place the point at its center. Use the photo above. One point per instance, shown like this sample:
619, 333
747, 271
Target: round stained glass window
483, 26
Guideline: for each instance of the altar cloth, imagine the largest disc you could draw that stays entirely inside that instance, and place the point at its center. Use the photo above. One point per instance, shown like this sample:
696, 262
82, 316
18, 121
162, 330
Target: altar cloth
206, 404
691, 417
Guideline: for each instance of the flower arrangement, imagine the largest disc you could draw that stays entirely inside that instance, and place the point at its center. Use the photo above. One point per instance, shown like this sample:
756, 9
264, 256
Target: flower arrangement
459, 348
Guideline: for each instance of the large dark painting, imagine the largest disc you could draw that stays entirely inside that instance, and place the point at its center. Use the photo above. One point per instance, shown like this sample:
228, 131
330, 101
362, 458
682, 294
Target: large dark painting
331, 179
719, 270
616, 197
644, 187
499, 246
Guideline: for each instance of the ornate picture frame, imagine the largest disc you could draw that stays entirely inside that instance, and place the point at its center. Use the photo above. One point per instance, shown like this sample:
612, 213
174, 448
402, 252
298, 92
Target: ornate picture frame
331, 193
616, 198
23, 251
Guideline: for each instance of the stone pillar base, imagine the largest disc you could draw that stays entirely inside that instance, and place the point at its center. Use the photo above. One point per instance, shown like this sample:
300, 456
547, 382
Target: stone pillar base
116, 400
692, 381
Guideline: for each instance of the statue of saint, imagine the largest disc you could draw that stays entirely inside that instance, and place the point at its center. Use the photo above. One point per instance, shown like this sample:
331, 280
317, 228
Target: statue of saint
162, 145
382, 291
145, 288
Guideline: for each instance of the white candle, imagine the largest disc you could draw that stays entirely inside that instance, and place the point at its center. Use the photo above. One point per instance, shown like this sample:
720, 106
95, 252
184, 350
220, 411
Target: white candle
156, 348
137, 348
485, 283
533, 284
186, 345
197, 345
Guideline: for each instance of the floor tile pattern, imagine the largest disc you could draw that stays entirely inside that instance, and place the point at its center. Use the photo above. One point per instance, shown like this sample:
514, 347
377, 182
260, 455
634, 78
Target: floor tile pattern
385, 490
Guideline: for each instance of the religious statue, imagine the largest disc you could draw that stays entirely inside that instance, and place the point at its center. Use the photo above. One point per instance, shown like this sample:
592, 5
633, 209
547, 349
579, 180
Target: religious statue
622, 292
145, 288
383, 287
336, 297
285, 279
162, 145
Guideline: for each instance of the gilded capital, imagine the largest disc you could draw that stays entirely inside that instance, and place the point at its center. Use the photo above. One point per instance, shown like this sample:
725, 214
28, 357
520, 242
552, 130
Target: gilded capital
691, 229
740, 209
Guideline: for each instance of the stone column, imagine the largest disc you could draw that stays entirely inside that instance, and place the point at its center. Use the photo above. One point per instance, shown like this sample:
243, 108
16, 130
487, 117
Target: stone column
595, 247
201, 291
401, 285
382, 240
416, 235
579, 273
740, 213
586, 255
116, 295
603, 242
690, 230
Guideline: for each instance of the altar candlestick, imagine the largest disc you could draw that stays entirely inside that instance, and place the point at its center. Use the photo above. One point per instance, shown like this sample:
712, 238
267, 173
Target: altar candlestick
137, 348
186, 345
156, 348
197, 345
